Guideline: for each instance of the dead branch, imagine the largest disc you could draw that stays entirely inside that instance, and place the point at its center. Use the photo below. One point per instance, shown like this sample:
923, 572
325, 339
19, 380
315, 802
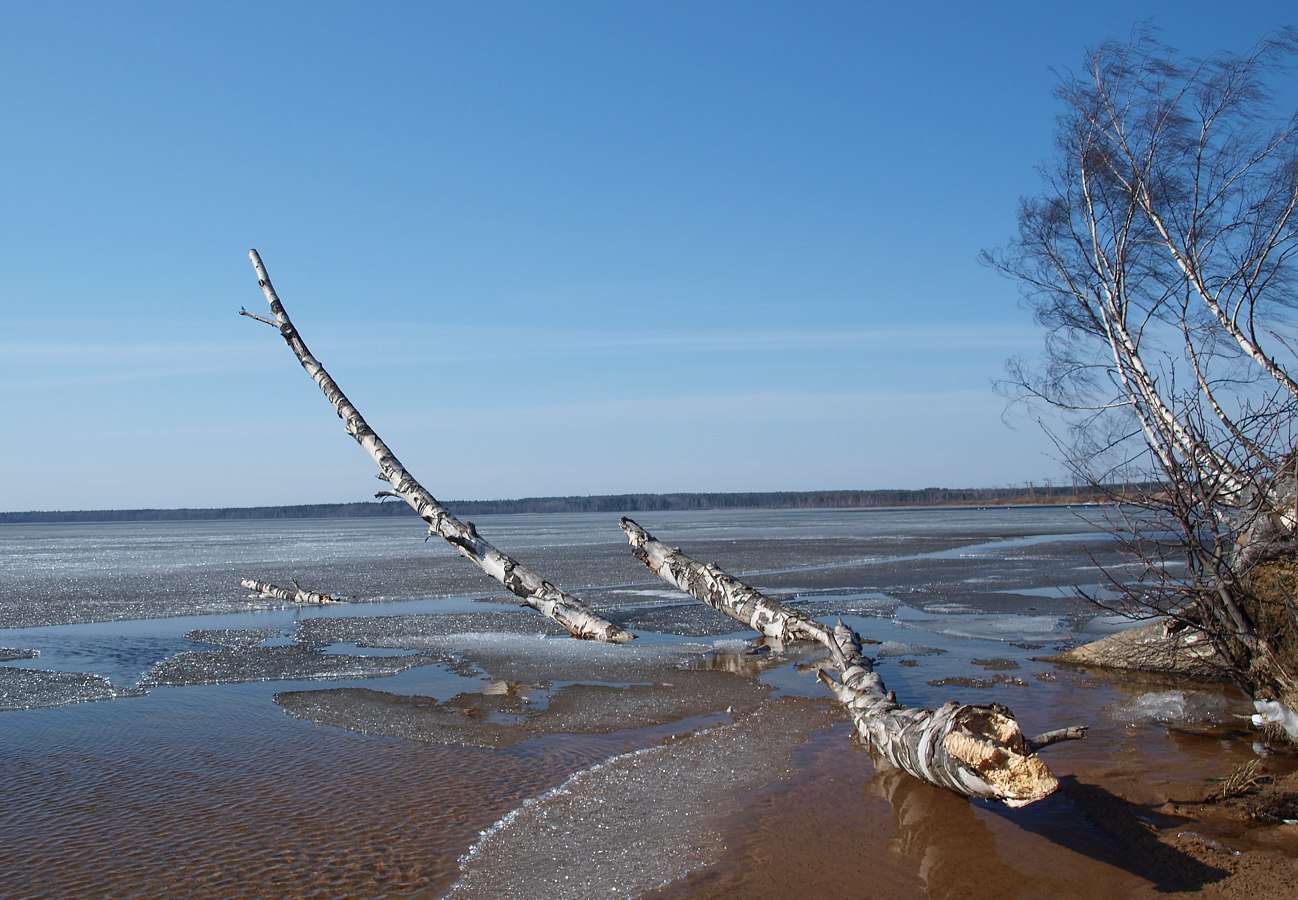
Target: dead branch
266, 591
541, 595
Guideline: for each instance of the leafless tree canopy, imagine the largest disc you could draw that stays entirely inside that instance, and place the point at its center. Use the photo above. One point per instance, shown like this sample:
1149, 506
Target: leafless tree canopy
1159, 259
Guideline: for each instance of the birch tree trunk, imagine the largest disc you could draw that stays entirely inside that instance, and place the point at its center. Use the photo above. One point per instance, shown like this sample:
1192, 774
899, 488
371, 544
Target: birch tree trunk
976, 751
541, 595
268, 591
1159, 257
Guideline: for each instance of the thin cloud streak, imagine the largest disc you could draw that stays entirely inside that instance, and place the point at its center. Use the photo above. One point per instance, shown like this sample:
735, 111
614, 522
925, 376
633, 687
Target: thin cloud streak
366, 344
53, 364
781, 406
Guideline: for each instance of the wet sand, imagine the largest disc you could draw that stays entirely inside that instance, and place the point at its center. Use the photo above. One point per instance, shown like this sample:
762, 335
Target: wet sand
225, 796
1114, 830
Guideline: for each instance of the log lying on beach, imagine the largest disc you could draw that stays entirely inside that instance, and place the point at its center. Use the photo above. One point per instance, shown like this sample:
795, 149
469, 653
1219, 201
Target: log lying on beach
267, 591
977, 751
541, 595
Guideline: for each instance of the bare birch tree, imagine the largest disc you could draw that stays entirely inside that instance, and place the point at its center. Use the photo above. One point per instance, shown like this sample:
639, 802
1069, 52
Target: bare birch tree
529, 587
1159, 259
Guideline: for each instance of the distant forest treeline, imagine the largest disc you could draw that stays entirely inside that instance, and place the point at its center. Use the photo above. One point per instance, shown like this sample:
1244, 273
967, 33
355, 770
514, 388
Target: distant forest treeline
604, 503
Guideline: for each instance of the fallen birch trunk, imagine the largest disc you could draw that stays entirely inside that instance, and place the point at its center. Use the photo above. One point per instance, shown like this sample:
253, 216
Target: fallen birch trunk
708, 583
977, 751
535, 592
267, 591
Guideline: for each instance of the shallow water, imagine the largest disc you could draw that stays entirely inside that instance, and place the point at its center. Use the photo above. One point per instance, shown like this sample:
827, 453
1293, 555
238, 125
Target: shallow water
364, 749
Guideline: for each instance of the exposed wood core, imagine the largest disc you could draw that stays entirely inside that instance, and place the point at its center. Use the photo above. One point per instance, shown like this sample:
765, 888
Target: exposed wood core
977, 751
541, 595
267, 591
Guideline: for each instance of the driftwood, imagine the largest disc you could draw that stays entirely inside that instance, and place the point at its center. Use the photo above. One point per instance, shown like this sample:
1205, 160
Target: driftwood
535, 592
977, 751
265, 590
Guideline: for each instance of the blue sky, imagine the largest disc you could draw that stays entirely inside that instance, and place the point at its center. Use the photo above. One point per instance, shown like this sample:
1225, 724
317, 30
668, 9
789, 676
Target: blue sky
546, 248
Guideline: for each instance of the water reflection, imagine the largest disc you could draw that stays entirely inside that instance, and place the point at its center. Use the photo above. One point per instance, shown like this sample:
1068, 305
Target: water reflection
940, 834
955, 845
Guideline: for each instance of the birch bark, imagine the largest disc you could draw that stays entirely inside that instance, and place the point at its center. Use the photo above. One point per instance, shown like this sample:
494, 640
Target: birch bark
270, 591
976, 751
534, 591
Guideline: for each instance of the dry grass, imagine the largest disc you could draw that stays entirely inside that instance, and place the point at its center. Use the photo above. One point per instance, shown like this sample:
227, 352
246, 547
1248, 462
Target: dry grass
1244, 780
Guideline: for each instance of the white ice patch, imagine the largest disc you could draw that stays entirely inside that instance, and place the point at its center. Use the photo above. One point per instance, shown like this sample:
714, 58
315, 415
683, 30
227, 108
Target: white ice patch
1104, 625
556, 648
1172, 708
666, 594
896, 648
949, 609
1269, 712
997, 627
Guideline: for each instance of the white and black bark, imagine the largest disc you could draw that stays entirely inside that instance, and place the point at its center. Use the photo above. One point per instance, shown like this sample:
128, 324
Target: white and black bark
709, 583
976, 751
266, 591
534, 591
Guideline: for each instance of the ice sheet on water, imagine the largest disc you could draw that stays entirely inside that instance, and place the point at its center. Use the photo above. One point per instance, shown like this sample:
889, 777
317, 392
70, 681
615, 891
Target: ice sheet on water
8, 653
866, 603
233, 638
521, 653
1174, 708
689, 618
536, 659
417, 631
896, 648
36, 688
949, 609
998, 627
670, 594
291, 663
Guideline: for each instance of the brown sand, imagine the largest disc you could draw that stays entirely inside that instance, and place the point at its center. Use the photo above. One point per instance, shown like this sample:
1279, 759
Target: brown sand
843, 829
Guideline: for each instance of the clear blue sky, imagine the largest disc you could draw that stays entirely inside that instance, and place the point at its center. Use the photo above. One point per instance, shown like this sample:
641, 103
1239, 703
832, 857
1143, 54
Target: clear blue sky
547, 248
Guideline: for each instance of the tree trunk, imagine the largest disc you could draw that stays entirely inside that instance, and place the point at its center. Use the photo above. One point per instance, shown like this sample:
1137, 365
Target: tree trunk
269, 591
535, 592
976, 751
708, 583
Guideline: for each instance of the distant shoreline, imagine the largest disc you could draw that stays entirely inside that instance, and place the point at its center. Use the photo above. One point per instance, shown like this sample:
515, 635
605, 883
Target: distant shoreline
837, 499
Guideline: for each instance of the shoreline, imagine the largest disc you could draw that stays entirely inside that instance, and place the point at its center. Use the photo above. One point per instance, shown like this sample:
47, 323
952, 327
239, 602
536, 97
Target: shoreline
315, 783
881, 500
